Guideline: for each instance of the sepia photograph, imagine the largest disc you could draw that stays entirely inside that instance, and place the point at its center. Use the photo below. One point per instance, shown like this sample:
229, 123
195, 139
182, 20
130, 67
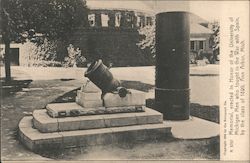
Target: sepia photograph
110, 80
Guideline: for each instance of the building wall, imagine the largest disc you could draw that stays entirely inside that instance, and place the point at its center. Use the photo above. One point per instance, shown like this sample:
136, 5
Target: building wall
201, 37
112, 36
17, 58
116, 46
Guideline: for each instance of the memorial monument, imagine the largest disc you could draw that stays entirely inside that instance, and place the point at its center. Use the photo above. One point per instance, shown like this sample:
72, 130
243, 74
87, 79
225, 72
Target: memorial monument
104, 113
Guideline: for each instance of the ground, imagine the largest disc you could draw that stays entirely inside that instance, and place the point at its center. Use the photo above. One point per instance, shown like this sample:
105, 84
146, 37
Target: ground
41, 86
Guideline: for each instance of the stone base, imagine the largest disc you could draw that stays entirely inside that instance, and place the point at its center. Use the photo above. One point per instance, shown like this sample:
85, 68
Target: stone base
36, 141
89, 96
89, 103
44, 123
134, 98
73, 109
194, 128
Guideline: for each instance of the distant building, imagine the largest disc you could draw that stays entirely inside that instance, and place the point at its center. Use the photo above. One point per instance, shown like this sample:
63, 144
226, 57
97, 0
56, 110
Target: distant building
200, 34
131, 14
16, 50
112, 33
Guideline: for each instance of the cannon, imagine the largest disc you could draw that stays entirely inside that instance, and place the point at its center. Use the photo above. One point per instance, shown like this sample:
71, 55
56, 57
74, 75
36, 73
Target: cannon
100, 75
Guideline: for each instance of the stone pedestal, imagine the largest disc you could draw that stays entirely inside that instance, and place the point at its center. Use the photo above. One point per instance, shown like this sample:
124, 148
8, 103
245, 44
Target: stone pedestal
89, 96
34, 140
92, 120
134, 98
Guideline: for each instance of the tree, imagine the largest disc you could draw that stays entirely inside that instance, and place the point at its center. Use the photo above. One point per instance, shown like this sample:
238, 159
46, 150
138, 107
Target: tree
74, 56
39, 55
53, 19
148, 41
215, 40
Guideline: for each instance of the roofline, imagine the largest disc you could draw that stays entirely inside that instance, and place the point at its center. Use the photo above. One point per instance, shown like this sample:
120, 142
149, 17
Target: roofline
123, 9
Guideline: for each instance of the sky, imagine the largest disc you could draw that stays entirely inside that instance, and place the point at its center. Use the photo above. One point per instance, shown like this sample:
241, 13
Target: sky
209, 10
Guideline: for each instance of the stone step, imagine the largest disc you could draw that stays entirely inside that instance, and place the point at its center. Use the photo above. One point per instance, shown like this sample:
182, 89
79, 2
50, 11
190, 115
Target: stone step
36, 141
44, 123
70, 109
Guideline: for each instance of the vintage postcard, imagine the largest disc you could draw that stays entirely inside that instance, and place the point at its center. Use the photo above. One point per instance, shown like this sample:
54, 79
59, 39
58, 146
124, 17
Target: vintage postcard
124, 80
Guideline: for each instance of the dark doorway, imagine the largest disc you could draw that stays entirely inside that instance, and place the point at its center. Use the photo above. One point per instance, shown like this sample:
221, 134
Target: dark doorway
14, 56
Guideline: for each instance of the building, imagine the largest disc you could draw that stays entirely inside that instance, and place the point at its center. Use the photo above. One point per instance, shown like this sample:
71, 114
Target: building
200, 35
16, 50
112, 33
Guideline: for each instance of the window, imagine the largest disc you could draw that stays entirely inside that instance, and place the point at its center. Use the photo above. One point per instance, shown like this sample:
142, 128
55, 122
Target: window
201, 44
138, 20
105, 19
91, 18
141, 21
117, 19
148, 21
128, 20
192, 45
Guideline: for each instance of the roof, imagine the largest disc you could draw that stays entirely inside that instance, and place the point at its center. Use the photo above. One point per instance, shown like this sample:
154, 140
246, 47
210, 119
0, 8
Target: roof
199, 29
197, 19
120, 5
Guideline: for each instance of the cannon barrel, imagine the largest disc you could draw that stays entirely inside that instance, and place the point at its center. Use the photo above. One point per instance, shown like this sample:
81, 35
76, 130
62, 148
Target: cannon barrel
100, 75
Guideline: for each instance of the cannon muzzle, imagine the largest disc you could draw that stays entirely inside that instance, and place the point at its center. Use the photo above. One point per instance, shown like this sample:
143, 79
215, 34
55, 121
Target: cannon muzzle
100, 75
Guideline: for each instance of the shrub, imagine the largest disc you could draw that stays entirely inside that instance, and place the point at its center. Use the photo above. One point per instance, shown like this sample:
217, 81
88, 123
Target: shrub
148, 38
74, 58
37, 54
193, 57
